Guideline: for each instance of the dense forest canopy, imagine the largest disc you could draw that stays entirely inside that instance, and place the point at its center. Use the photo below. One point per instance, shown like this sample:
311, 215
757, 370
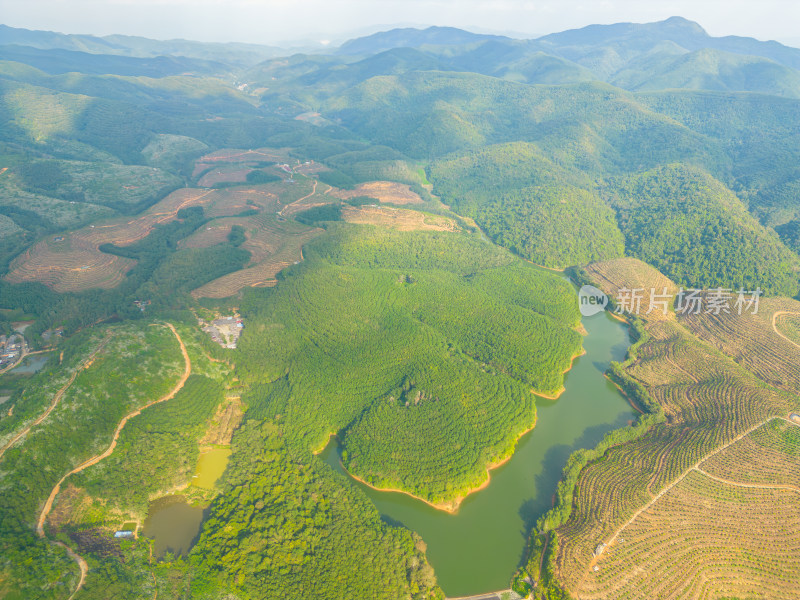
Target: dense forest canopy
384, 218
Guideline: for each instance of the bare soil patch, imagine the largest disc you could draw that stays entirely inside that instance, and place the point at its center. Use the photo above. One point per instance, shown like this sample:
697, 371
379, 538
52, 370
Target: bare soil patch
389, 192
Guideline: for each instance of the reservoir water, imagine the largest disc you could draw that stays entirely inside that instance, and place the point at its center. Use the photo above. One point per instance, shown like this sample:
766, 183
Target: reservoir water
210, 467
478, 549
173, 524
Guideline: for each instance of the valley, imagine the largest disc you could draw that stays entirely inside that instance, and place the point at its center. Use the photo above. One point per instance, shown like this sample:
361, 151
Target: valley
308, 324
478, 548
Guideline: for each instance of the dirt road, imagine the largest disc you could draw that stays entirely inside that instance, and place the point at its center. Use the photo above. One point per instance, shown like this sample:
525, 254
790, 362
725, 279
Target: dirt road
307, 196
48, 506
775, 316
758, 486
56, 398
667, 488
81, 563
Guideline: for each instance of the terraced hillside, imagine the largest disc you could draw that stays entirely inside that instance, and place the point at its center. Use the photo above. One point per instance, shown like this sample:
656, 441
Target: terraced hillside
207, 163
764, 342
382, 191
404, 220
768, 456
708, 401
614, 276
73, 261
272, 243
705, 538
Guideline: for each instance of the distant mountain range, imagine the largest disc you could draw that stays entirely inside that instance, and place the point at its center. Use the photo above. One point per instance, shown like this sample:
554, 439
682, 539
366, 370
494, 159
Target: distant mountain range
410, 37
675, 53
124, 45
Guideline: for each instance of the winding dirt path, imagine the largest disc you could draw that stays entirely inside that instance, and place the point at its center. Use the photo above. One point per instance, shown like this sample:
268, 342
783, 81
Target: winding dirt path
48, 506
313, 191
775, 316
760, 486
57, 398
81, 563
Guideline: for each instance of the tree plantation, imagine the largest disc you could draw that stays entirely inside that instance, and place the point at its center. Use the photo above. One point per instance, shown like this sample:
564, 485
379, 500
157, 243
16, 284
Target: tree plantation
304, 322
427, 364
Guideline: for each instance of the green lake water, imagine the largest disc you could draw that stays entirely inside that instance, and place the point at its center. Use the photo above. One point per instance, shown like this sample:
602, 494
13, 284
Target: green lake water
210, 467
478, 549
173, 525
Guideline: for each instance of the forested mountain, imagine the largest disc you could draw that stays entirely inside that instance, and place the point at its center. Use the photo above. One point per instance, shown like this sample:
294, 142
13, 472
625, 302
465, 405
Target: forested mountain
440, 95
371, 213
125, 45
612, 44
56, 62
709, 69
413, 38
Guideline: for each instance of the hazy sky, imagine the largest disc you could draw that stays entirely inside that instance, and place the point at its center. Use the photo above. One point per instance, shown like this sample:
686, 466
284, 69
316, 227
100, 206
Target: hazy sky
274, 21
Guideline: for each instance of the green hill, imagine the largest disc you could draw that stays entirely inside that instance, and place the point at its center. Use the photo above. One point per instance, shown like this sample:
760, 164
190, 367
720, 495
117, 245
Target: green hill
591, 126
709, 69
126, 45
57, 61
525, 202
698, 233
434, 341
412, 38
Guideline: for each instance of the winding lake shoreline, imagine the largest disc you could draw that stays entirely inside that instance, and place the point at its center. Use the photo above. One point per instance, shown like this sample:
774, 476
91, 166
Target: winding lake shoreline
452, 506
477, 548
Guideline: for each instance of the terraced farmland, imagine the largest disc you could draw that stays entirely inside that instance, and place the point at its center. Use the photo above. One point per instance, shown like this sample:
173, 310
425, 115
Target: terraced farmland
788, 324
273, 245
229, 156
403, 220
632, 274
214, 233
304, 194
708, 401
768, 456
72, 261
762, 342
233, 173
705, 539
233, 201
383, 191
